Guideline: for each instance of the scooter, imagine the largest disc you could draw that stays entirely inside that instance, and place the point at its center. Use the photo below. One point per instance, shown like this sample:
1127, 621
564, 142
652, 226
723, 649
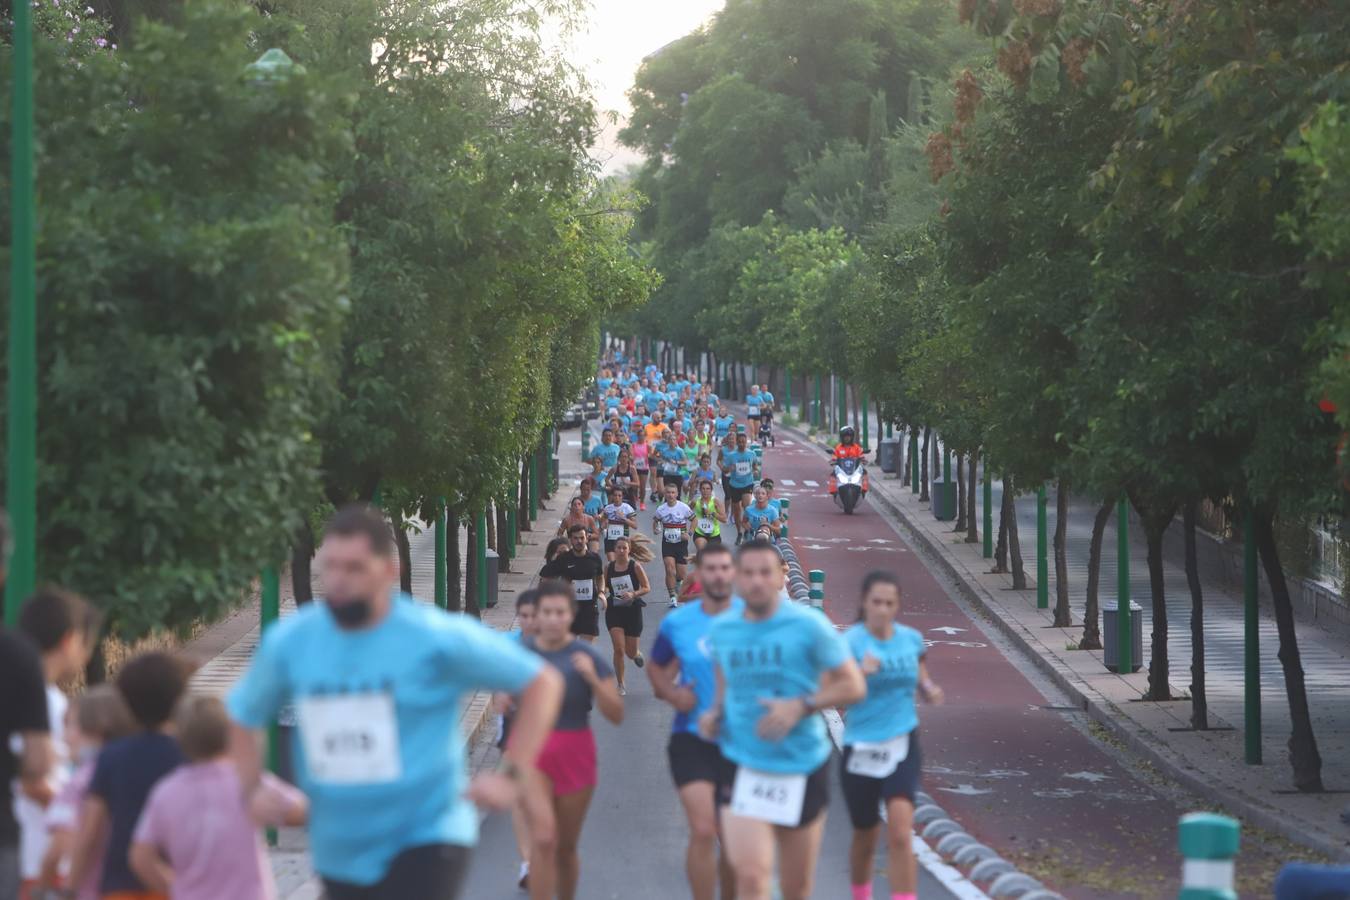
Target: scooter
848, 484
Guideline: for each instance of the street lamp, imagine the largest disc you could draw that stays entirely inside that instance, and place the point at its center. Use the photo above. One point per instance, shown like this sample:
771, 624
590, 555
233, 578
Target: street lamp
21, 427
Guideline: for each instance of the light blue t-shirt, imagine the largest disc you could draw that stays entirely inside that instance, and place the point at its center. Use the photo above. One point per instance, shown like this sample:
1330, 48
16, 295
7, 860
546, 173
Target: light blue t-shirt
593, 506
782, 656
756, 517
608, 453
422, 659
684, 636
672, 458
734, 462
766, 400
603, 384
724, 424
888, 710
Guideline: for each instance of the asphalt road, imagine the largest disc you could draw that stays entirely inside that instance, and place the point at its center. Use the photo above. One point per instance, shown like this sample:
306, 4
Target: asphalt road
634, 839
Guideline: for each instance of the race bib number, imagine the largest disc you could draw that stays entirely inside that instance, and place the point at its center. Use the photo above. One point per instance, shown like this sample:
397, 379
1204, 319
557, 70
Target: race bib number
673, 535
776, 799
878, 760
754, 410
670, 468
614, 532
584, 589
641, 463
620, 586
351, 738
743, 468
705, 526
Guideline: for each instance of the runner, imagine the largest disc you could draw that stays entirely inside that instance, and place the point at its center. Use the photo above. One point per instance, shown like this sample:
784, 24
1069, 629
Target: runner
882, 760
591, 501
670, 464
777, 665
624, 475
527, 608
377, 680
739, 467
608, 451
576, 515
581, 568
761, 518
671, 520
641, 449
682, 675
560, 791
618, 517
708, 516
754, 406
704, 471
627, 584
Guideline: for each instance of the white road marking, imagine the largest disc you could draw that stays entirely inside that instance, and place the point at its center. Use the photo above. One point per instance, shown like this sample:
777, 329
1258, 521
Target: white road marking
966, 790
574, 443
948, 629
809, 483
789, 482
1093, 777
880, 541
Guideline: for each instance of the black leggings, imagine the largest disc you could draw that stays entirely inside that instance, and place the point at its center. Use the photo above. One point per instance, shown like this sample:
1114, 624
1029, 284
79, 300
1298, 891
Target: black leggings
433, 872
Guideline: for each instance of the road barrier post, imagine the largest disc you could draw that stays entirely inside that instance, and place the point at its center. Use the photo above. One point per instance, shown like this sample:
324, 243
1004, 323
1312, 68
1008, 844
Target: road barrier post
783, 508
1251, 645
1209, 844
442, 598
1042, 552
1124, 628
585, 440
817, 592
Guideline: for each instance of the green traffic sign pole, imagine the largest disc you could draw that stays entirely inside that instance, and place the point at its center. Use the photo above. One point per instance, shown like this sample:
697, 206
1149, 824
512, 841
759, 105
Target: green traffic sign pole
480, 551
1251, 644
1042, 553
442, 527
270, 608
946, 464
862, 406
988, 514
787, 390
815, 412
841, 403
511, 522
21, 427
1124, 628
913, 461
532, 487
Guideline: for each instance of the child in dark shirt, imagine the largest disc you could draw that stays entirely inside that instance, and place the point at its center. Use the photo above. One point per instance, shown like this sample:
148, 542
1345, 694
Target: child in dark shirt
126, 770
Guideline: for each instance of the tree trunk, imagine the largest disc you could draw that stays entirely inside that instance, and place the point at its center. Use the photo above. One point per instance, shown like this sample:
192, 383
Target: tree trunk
1092, 629
1063, 615
923, 467
851, 393
490, 517
972, 489
960, 496
471, 572
452, 560
302, 557
404, 558
503, 540
1001, 547
523, 510
1158, 667
1199, 696
1303, 754
1019, 574
96, 670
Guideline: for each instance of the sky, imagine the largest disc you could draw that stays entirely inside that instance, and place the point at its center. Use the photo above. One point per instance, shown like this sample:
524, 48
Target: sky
620, 34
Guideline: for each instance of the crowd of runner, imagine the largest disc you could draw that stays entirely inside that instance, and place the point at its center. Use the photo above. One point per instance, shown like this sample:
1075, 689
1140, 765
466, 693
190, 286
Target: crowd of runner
137, 790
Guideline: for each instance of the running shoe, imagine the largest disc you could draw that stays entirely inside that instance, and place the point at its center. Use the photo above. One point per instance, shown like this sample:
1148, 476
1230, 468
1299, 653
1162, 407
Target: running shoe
642, 505
623, 691
674, 601
524, 881
639, 660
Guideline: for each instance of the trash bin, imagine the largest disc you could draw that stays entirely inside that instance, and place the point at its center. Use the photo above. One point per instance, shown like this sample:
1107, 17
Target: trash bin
492, 572
944, 500
888, 456
1111, 643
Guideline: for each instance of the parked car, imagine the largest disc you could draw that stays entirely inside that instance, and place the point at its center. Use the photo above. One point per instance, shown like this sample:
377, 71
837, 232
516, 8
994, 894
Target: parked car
574, 416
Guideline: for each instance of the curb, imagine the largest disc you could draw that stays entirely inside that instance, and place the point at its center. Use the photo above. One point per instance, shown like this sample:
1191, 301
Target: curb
1098, 708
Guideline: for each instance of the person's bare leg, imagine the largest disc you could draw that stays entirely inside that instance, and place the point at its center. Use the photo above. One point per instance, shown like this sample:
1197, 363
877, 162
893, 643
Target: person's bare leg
749, 845
520, 827
798, 850
630, 646
670, 574
539, 805
861, 851
700, 858
571, 816
616, 638
900, 866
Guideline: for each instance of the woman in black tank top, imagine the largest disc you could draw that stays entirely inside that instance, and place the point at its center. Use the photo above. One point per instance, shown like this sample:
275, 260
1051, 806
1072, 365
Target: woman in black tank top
626, 584
625, 475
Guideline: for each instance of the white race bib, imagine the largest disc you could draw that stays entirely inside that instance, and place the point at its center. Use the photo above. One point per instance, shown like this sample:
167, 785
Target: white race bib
614, 532
670, 468
878, 760
776, 799
350, 738
705, 526
619, 586
742, 468
673, 535
584, 589
754, 410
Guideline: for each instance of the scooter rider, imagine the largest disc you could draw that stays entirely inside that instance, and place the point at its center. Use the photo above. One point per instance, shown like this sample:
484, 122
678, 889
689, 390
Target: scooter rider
848, 446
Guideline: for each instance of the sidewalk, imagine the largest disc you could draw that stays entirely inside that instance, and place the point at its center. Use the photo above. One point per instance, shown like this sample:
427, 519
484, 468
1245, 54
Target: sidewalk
1209, 763
234, 640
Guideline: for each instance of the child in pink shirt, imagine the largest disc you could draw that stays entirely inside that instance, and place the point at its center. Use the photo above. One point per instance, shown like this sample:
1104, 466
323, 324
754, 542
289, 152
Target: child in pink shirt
198, 838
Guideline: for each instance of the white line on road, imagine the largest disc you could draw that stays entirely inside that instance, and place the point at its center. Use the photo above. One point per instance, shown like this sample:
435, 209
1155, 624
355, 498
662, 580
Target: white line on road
809, 483
574, 443
950, 878
789, 482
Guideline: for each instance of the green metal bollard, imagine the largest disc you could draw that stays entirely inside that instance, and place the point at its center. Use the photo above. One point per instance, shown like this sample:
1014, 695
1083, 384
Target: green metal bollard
1251, 645
1124, 628
988, 514
585, 441
817, 592
1209, 845
1042, 553
442, 597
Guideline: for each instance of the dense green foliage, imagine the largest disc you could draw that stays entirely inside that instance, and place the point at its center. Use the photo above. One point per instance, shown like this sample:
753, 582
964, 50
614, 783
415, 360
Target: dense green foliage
386, 270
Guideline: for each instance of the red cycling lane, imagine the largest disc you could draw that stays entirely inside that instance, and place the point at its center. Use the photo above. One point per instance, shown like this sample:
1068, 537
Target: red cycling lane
1016, 774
